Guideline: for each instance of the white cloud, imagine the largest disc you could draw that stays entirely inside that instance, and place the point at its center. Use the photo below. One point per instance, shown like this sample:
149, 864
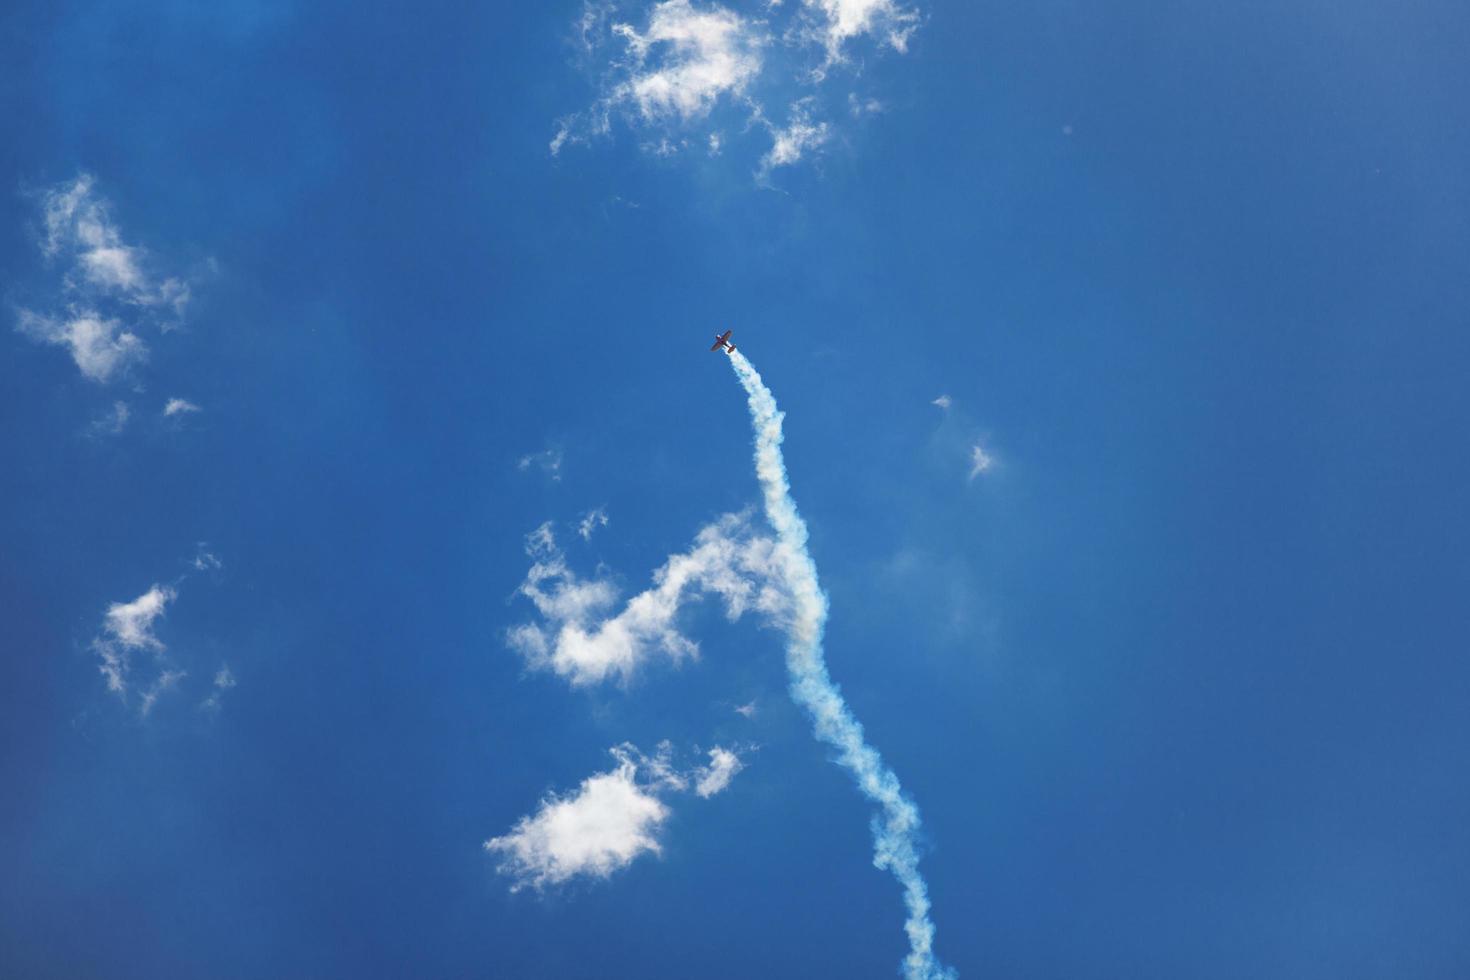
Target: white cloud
601, 828
943, 401
839, 21
612, 819
135, 662
128, 627
131, 623
103, 281
795, 140
715, 777
591, 521
686, 59
582, 640
99, 346
205, 560
80, 228
179, 406
691, 61
747, 710
980, 460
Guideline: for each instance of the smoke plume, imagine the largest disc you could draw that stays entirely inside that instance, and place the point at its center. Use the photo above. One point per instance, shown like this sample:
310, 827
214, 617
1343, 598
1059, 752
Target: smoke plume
896, 824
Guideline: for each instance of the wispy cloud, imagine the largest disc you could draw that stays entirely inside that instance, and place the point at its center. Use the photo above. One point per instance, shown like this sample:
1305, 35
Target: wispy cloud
179, 406
674, 70
686, 59
591, 521
107, 289
114, 421
747, 710
166, 680
127, 627
793, 141
691, 71
224, 679
134, 661
584, 640
205, 560
548, 461
943, 401
612, 818
100, 346
835, 23
980, 460
81, 232
715, 777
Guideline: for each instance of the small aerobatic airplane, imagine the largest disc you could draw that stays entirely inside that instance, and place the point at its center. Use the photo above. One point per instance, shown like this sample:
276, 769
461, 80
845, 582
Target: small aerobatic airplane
723, 340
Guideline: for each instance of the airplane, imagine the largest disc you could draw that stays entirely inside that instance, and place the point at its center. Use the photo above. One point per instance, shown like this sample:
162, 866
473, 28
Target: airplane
723, 340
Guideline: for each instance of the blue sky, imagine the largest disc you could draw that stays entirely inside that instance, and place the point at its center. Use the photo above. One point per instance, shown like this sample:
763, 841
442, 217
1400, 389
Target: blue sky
1177, 679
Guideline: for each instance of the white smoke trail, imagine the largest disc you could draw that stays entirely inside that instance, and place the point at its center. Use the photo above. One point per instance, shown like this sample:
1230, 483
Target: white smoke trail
896, 825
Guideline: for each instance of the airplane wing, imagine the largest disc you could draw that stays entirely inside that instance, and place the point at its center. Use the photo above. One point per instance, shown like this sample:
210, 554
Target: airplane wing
722, 340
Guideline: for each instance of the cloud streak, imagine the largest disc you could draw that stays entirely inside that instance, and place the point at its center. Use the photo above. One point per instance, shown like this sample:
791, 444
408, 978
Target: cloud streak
896, 825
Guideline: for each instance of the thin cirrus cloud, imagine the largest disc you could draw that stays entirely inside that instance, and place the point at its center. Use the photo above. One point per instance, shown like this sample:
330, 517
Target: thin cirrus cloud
613, 818
583, 638
673, 66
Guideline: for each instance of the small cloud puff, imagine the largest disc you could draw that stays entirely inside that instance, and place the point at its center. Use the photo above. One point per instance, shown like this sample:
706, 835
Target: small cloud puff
715, 777
179, 406
128, 627
591, 521
613, 818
